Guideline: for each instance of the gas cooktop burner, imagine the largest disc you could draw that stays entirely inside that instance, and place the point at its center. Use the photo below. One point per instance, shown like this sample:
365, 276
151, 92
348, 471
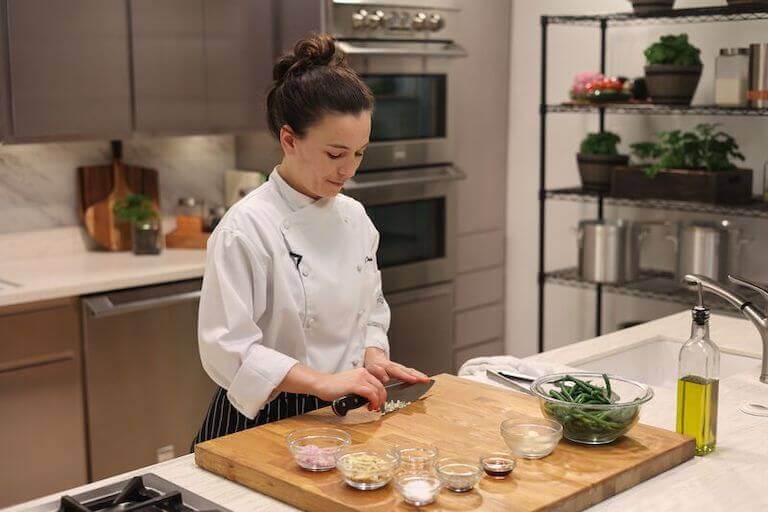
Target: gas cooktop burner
146, 493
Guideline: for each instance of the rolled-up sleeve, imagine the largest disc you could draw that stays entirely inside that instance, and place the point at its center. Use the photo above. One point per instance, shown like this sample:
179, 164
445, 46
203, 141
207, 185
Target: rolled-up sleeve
233, 298
379, 317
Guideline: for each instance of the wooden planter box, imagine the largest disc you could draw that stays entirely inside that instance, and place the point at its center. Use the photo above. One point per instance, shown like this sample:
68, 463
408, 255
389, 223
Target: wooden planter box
723, 187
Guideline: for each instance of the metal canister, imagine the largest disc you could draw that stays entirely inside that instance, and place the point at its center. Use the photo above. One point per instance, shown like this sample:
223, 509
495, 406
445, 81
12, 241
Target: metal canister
609, 250
758, 75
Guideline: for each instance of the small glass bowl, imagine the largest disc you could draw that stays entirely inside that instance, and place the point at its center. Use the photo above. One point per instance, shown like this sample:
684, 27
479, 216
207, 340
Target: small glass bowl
367, 466
498, 465
417, 457
531, 438
315, 449
418, 488
459, 475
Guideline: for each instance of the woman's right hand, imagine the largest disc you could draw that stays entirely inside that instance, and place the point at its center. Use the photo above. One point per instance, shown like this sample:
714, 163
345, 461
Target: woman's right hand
359, 382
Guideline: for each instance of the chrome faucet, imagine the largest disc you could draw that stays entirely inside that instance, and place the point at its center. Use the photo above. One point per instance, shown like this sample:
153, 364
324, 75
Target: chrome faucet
747, 308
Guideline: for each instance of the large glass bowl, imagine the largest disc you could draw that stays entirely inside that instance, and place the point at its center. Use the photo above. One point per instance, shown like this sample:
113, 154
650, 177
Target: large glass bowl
593, 423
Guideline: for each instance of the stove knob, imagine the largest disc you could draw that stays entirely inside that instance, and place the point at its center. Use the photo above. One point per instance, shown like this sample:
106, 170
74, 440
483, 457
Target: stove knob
435, 22
419, 20
374, 20
358, 19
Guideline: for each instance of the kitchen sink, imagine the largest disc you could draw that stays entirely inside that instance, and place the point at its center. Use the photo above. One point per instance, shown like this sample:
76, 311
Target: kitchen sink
654, 362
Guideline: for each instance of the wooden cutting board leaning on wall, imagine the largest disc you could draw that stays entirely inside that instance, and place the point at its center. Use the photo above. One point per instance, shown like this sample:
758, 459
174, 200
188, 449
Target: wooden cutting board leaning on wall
101, 186
462, 418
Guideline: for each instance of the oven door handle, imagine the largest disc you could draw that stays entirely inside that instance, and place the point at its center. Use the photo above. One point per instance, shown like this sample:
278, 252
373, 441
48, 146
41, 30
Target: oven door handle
426, 49
448, 173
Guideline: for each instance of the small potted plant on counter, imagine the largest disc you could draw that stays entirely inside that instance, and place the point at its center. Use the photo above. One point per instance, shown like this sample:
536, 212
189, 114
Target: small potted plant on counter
672, 71
687, 166
597, 157
145, 222
651, 6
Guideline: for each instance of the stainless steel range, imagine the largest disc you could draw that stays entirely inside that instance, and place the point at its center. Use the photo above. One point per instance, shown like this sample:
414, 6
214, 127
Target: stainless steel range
146, 493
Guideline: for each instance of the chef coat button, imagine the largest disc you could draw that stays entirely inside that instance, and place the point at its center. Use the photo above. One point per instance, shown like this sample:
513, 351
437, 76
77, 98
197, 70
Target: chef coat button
286, 225
355, 363
359, 268
361, 312
346, 219
305, 273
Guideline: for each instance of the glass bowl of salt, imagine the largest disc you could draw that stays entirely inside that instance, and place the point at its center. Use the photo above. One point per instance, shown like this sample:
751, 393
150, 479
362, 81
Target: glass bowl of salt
418, 488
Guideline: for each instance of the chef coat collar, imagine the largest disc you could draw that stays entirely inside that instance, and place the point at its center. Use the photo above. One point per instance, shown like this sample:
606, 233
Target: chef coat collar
295, 199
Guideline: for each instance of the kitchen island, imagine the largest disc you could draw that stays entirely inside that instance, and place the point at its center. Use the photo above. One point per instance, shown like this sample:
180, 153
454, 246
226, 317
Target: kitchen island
733, 477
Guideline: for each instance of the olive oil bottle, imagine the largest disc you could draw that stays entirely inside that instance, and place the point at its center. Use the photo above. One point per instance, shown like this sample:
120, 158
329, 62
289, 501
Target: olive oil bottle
697, 385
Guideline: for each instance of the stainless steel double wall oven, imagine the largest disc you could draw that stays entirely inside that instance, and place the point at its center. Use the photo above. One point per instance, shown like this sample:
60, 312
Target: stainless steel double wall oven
406, 52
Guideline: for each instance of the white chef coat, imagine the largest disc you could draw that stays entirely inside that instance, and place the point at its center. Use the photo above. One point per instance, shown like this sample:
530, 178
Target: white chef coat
288, 279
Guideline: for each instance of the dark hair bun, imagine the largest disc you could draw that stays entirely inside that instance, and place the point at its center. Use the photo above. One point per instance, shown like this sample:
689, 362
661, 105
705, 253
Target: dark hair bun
312, 81
314, 51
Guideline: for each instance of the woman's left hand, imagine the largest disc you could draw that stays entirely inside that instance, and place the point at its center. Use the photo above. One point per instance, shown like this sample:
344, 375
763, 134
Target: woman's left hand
377, 363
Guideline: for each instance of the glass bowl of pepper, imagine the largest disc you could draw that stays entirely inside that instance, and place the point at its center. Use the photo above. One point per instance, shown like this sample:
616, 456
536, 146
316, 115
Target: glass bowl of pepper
593, 408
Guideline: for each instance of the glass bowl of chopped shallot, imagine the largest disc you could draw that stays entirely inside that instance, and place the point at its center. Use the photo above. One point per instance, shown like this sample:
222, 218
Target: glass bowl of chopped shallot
315, 449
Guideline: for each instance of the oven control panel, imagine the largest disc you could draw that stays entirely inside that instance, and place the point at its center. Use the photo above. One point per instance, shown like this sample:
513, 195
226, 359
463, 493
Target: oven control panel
418, 21
361, 21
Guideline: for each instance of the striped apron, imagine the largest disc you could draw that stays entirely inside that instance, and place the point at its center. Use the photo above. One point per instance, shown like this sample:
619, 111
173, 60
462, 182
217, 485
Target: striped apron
222, 418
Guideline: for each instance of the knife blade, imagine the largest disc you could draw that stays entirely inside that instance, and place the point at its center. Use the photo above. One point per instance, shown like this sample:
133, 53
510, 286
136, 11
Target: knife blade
397, 390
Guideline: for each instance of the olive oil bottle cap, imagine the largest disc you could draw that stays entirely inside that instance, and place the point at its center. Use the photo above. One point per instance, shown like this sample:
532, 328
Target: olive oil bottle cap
700, 311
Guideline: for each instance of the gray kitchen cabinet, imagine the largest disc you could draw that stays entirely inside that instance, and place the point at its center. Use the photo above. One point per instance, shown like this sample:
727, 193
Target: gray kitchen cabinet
201, 66
41, 399
67, 73
475, 289
421, 332
238, 63
489, 348
477, 251
479, 325
168, 43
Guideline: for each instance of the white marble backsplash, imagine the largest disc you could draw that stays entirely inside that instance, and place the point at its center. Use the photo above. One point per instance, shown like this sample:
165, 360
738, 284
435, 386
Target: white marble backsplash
38, 182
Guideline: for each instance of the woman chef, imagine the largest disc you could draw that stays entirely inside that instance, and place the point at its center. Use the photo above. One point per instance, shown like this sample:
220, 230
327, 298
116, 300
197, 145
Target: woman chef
292, 314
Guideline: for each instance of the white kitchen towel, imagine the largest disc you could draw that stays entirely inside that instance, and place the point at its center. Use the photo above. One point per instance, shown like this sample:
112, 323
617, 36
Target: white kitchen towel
479, 365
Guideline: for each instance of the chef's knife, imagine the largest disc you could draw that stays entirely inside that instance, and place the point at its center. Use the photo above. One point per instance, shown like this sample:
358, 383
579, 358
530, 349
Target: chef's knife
397, 390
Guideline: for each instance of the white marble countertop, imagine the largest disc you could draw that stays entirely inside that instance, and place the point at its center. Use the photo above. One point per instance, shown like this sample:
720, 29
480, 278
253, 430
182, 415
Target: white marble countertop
732, 478
56, 263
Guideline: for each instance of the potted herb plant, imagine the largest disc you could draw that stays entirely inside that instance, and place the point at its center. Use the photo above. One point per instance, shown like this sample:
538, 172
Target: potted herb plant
690, 166
145, 222
651, 6
672, 71
598, 155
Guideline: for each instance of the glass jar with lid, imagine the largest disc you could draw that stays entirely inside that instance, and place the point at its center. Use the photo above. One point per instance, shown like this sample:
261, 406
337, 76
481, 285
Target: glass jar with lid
190, 214
732, 77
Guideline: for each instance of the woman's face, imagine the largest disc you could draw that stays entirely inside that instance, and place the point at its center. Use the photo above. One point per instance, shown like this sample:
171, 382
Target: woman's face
319, 163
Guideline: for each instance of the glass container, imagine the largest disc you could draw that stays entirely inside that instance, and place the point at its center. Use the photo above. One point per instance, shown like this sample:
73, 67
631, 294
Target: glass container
732, 77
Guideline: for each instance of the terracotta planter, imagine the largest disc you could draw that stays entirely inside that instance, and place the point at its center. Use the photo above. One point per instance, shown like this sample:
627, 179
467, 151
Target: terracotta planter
596, 170
672, 85
722, 187
651, 6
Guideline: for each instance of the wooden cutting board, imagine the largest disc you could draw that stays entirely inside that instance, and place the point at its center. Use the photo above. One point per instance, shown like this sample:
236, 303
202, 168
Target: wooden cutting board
101, 186
462, 417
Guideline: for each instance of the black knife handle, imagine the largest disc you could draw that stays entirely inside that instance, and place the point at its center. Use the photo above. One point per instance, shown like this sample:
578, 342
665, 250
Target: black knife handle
346, 403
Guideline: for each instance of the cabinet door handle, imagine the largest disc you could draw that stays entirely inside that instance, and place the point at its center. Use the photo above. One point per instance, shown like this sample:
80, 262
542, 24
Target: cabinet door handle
33, 362
101, 306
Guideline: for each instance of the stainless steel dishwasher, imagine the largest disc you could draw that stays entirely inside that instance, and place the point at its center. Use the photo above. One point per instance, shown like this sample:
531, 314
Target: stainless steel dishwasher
146, 391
